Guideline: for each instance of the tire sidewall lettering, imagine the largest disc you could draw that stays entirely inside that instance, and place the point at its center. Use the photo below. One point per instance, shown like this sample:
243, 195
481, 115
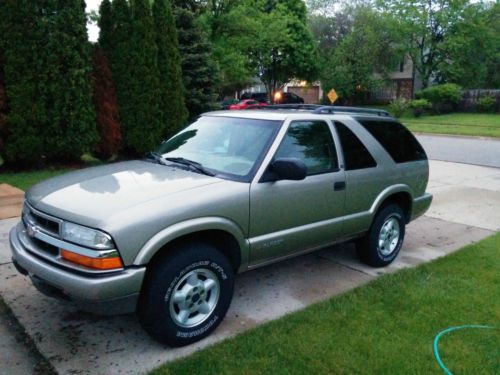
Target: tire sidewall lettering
201, 329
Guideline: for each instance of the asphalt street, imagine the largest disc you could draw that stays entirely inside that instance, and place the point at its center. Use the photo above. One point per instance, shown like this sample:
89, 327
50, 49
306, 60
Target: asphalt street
468, 150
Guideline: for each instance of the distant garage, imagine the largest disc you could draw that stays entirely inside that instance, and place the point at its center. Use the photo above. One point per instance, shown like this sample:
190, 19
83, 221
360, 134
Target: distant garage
311, 94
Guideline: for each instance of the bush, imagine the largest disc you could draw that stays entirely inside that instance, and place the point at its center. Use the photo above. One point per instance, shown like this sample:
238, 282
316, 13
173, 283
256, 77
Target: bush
419, 106
486, 104
444, 98
398, 106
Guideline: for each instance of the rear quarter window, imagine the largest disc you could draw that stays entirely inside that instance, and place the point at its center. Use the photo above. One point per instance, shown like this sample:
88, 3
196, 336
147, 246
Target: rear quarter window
356, 156
398, 141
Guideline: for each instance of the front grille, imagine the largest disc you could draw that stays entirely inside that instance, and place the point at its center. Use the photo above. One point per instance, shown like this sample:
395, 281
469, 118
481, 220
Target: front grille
45, 224
45, 247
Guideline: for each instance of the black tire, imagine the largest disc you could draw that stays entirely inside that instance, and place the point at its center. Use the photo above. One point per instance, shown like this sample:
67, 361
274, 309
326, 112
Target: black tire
368, 247
158, 311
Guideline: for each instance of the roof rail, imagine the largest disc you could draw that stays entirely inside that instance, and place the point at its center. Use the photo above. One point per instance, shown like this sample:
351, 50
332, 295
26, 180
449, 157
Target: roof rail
330, 109
327, 109
297, 107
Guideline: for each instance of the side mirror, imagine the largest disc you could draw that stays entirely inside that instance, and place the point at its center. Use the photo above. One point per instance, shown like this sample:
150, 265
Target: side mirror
285, 169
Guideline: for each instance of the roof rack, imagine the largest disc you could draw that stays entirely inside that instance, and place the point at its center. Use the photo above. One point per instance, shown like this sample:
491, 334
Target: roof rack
335, 109
296, 107
327, 109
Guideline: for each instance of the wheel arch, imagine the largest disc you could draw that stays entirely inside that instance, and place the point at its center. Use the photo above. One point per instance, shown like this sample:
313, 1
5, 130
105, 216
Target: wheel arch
219, 232
397, 194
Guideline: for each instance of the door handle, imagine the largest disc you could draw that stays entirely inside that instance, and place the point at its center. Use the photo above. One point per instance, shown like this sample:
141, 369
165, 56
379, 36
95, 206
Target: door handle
340, 185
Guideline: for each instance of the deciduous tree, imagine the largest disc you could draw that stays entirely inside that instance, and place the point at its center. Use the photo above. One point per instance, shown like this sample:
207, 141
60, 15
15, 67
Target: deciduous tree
372, 45
285, 48
471, 50
427, 24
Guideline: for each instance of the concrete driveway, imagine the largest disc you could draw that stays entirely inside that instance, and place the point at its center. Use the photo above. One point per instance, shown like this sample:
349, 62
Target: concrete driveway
465, 210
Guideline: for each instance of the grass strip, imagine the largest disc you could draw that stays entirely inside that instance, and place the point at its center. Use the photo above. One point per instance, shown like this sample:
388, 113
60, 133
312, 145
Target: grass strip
385, 327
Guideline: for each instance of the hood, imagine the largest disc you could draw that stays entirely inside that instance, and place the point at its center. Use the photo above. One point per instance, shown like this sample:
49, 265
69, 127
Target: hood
91, 195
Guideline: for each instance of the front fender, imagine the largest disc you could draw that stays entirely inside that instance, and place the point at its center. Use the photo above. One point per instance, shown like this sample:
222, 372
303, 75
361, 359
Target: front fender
160, 239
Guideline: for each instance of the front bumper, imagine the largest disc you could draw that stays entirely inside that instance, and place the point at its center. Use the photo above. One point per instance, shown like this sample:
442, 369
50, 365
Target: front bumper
420, 205
106, 294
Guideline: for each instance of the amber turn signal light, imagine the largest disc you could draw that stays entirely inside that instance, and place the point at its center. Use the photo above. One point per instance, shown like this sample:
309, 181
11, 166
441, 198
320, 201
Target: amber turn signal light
94, 263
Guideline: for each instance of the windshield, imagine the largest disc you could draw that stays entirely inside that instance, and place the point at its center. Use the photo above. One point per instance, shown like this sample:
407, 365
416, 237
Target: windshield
230, 147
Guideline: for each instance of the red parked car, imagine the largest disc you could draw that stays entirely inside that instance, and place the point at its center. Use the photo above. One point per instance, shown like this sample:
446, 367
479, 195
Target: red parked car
247, 104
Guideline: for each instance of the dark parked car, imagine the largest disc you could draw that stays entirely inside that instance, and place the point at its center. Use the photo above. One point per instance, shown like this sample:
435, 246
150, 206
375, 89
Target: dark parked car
287, 98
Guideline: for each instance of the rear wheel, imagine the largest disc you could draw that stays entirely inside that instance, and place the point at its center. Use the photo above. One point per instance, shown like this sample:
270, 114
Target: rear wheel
384, 240
187, 294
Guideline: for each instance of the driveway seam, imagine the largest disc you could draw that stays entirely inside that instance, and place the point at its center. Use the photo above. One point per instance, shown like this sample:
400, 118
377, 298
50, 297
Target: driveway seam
346, 266
492, 231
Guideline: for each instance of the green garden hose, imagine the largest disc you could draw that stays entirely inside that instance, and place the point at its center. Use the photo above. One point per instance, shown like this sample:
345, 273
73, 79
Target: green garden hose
444, 332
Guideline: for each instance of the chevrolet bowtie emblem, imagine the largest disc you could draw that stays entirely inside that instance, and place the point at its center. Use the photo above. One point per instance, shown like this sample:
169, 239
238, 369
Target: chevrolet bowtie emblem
30, 229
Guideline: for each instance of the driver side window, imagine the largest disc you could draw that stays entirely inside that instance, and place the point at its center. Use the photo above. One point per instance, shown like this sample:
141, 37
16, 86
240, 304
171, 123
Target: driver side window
311, 142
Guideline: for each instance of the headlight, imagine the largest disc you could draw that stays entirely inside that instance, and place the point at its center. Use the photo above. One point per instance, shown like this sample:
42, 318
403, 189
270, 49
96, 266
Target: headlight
86, 237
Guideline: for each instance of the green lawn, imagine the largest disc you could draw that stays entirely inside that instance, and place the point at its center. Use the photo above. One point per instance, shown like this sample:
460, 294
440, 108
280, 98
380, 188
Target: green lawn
385, 327
472, 124
24, 180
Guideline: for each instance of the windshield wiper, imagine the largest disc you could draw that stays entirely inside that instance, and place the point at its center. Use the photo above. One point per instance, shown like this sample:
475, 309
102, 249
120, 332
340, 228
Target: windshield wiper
193, 164
156, 157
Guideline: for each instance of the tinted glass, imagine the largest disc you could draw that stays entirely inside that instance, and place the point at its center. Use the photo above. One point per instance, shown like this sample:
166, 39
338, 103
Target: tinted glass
228, 146
311, 142
356, 155
396, 139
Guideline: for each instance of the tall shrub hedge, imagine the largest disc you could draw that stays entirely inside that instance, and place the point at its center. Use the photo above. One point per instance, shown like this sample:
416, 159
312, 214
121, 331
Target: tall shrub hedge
173, 107
47, 76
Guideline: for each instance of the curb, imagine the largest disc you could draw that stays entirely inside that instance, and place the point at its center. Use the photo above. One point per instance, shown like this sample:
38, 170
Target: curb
43, 365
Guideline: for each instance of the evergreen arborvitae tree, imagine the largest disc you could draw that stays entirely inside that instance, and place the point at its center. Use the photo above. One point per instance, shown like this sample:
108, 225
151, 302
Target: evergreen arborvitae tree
70, 128
199, 71
143, 128
106, 106
106, 25
173, 106
129, 43
23, 40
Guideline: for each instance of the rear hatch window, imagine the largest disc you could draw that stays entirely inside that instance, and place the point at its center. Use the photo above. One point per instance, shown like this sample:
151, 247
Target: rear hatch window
398, 141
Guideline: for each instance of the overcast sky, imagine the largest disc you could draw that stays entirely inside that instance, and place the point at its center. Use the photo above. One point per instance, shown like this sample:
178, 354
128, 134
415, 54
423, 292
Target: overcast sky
92, 28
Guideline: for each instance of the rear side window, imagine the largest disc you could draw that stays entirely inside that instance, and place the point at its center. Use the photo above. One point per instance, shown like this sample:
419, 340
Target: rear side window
396, 139
356, 156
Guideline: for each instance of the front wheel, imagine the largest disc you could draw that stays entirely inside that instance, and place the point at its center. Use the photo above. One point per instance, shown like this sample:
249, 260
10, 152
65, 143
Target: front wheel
384, 240
187, 294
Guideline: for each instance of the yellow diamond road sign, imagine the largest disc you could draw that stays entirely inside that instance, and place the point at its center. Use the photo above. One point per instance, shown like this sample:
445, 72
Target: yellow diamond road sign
332, 95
